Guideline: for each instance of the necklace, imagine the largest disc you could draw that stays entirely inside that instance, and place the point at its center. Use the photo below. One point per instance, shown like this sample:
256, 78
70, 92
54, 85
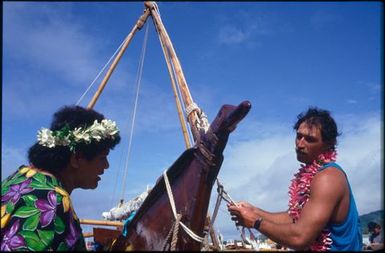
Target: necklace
299, 192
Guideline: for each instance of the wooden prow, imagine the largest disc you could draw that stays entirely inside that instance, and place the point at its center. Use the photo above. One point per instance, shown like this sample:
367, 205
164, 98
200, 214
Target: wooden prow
191, 178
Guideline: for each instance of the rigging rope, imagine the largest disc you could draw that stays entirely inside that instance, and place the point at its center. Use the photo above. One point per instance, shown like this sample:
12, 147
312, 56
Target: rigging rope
100, 72
138, 81
222, 194
176, 217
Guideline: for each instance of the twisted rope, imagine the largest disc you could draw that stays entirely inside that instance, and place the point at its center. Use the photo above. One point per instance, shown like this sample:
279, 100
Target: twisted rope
176, 216
175, 232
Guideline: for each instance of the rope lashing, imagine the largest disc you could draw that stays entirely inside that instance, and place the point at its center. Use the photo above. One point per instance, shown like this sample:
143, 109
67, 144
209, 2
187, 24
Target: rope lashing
202, 121
174, 234
173, 208
192, 107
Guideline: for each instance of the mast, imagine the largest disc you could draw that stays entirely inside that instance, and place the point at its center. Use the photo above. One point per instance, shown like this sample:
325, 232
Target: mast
195, 116
139, 24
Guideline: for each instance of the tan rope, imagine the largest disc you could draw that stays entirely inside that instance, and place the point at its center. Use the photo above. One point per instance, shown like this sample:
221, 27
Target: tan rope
168, 236
175, 232
173, 208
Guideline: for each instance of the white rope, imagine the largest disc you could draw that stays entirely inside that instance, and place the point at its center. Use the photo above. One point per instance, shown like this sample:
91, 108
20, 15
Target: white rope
138, 81
191, 108
101, 71
173, 208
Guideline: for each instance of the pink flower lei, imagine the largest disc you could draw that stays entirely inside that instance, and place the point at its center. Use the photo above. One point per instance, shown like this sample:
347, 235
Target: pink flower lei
299, 192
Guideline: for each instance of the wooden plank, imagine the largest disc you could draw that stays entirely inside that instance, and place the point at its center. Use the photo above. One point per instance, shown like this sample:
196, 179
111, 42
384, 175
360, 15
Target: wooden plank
105, 236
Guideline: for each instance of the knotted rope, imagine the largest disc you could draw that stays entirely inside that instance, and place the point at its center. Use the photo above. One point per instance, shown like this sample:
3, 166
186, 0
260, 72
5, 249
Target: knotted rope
175, 227
202, 121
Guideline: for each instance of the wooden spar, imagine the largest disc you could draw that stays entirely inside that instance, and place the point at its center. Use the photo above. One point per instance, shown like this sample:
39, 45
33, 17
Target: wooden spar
187, 99
139, 24
88, 234
176, 96
212, 233
102, 223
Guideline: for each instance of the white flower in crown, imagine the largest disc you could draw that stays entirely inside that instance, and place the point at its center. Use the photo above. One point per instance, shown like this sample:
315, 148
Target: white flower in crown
45, 138
97, 130
110, 127
79, 134
65, 137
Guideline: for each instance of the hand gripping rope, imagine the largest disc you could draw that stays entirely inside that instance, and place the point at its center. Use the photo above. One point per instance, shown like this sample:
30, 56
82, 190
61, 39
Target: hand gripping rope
222, 194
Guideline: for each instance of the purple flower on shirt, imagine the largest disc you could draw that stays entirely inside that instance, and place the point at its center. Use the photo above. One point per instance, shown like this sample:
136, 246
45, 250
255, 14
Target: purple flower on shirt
47, 208
16, 190
10, 239
74, 234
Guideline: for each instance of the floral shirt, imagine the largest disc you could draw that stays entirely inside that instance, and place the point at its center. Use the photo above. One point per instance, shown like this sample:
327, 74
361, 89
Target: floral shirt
37, 214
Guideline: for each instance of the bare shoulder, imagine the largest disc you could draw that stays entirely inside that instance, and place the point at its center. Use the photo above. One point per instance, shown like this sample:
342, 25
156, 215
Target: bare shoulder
330, 180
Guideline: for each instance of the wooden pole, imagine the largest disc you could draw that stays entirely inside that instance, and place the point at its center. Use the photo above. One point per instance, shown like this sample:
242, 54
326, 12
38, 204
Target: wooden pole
176, 96
212, 233
139, 24
88, 234
187, 99
102, 223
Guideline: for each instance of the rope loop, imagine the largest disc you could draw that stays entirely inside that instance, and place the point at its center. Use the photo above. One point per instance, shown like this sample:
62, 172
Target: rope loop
192, 107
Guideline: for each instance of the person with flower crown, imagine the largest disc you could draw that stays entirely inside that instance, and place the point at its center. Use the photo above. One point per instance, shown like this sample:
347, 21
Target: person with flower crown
322, 213
36, 209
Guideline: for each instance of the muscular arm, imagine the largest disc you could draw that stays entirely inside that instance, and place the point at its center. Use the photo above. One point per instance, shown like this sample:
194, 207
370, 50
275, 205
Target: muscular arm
327, 189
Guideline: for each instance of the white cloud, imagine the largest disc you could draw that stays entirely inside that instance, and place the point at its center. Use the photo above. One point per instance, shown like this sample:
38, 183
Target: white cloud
51, 48
242, 28
231, 34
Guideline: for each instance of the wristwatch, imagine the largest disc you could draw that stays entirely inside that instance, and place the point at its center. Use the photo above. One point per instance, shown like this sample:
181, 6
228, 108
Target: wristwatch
257, 223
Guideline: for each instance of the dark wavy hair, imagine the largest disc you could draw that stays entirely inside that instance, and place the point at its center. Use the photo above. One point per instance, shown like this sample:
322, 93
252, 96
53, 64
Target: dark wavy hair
320, 118
57, 158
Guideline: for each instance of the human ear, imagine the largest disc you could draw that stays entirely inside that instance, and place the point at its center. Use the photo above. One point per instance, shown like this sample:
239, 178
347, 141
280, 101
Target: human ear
75, 160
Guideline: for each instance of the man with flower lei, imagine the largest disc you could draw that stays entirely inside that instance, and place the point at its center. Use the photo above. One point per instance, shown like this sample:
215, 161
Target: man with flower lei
322, 213
36, 209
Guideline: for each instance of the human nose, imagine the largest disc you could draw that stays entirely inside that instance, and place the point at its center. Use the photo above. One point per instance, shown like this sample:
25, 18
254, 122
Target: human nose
107, 164
300, 142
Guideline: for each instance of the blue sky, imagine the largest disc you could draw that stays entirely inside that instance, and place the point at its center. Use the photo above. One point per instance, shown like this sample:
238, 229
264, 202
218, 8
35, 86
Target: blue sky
282, 57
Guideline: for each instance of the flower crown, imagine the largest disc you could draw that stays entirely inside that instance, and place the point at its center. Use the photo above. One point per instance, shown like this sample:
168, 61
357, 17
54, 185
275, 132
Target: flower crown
67, 137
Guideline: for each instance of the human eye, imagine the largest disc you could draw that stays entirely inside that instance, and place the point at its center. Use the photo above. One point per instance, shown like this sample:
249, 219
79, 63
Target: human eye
310, 139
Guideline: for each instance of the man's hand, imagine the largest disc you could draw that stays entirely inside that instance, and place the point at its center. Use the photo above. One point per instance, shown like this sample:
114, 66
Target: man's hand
243, 213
